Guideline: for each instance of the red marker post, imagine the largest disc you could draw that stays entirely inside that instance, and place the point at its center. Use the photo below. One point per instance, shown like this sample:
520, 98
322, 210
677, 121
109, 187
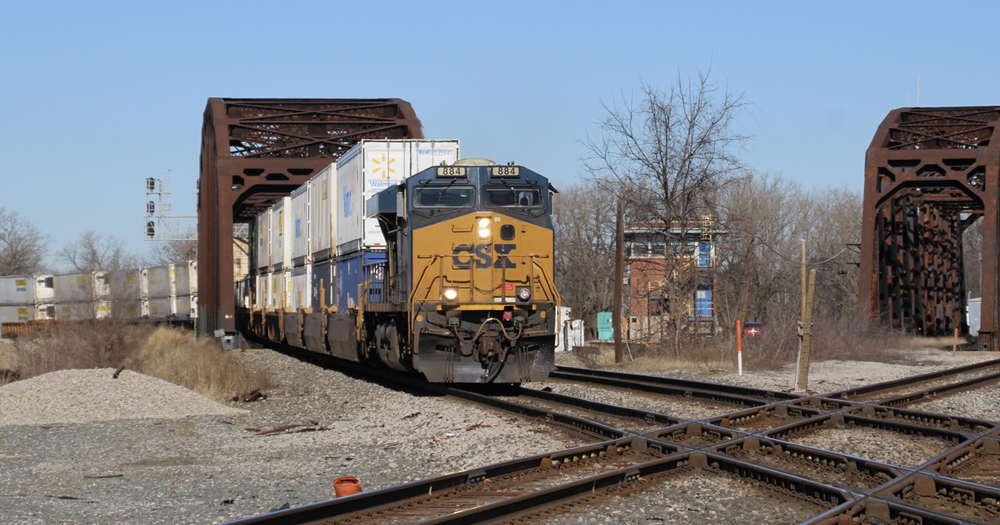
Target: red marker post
739, 346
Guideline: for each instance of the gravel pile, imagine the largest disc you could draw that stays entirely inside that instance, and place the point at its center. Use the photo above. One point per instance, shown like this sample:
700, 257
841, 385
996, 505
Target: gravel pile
86, 396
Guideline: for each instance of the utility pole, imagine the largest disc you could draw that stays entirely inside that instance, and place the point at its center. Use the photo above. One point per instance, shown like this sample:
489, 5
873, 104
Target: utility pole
805, 337
619, 277
803, 317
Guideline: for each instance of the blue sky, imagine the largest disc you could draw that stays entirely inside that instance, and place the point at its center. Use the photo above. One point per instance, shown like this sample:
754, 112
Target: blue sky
97, 96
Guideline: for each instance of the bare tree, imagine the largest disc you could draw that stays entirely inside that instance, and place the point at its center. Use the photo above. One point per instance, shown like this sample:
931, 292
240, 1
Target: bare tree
92, 253
185, 249
667, 155
584, 243
22, 246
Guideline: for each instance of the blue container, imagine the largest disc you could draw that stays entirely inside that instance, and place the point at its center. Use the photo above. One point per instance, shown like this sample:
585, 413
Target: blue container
323, 279
350, 274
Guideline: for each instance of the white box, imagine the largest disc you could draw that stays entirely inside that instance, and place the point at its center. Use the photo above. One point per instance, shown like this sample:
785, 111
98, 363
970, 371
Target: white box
185, 278
278, 297
370, 167
281, 245
75, 311
261, 294
262, 233
73, 288
17, 290
159, 282
300, 294
300, 225
160, 308
322, 214
14, 314
128, 285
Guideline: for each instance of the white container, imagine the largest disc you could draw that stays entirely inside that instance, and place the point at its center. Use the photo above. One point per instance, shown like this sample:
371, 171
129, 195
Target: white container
322, 214
185, 278
17, 290
75, 311
281, 244
300, 293
300, 226
370, 167
160, 308
128, 285
262, 233
15, 314
184, 307
73, 288
159, 282
278, 296
260, 295
44, 292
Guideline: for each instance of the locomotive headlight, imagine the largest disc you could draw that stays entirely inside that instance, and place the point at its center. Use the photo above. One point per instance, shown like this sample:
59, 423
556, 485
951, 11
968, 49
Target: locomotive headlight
484, 222
484, 231
450, 294
524, 294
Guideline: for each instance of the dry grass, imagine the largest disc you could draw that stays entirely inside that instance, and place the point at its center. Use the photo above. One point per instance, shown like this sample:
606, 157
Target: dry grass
197, 364
166, 353
845, 340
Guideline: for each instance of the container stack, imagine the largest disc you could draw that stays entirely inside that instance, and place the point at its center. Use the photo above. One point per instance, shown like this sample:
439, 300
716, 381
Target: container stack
129, 294
312, 247
26, 298
80, 296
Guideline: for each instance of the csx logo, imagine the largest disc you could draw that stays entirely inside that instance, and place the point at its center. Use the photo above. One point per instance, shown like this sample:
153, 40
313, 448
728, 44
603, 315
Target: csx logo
482, 254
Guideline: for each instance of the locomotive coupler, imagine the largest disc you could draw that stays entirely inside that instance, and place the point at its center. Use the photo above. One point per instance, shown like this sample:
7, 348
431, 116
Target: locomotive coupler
489, 347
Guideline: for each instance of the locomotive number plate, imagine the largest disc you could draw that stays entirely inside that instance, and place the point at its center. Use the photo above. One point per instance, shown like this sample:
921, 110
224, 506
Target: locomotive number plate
451, 171
505, 171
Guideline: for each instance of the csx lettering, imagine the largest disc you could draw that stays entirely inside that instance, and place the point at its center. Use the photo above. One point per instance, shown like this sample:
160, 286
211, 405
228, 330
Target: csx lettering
463, 256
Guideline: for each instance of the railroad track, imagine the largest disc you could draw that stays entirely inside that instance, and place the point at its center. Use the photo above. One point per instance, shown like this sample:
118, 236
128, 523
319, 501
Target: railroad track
856, 456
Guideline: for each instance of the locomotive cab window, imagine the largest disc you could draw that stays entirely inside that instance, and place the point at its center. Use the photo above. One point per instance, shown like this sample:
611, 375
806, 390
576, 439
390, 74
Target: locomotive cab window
444, 196
514, 197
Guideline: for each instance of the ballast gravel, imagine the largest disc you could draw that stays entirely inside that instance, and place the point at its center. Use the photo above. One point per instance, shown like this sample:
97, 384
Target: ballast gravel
80, 447
203, 462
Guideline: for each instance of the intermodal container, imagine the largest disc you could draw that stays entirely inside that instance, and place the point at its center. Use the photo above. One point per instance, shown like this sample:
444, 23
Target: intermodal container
301, 284
44, 293
278, 288
262, 240
73, 288
351, 276
159, 282
13, 314
281, 244
185, 278
300, 226
322, 214
370, 167
323, 284
17, 290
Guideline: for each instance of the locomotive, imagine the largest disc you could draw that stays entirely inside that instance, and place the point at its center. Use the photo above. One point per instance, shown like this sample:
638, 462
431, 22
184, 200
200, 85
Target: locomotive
463, 292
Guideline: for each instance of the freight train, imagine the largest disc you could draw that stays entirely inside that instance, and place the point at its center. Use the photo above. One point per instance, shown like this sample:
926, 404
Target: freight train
164, 294
449, 274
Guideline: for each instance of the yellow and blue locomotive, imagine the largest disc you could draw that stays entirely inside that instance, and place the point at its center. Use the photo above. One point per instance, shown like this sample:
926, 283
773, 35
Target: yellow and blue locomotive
466, 293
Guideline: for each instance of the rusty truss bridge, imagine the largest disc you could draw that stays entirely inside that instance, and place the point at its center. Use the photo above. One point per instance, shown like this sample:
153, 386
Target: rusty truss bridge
930, 173
255, 151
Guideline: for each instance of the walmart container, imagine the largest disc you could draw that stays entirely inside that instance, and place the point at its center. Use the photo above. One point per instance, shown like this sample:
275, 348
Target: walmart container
322, 214
370, 167
281, 244
300, 226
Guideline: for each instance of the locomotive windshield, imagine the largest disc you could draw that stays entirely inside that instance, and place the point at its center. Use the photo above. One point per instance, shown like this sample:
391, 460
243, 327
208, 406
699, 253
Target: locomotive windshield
444, 196
527, 199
